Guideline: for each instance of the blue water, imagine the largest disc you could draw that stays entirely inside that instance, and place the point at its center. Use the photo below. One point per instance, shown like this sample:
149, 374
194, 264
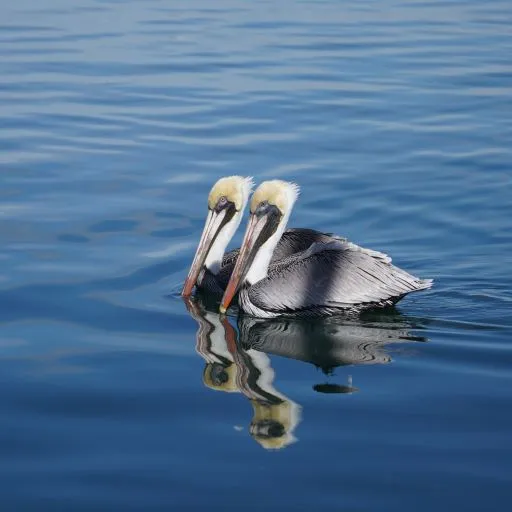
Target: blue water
116, 117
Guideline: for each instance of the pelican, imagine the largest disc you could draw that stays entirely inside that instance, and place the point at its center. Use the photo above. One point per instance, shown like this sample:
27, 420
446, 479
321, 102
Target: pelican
328, 277
211, 267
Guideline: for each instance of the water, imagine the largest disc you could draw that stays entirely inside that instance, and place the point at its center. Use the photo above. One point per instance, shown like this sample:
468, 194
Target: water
116, 118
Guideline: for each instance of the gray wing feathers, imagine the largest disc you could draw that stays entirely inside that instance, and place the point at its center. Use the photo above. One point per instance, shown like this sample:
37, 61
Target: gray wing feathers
333, 275
229, 258
298, 239
292, 241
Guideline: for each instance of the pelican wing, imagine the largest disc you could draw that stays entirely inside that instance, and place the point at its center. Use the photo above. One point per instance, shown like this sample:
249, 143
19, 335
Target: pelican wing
296, 240
229, 258
292, 241
332, 276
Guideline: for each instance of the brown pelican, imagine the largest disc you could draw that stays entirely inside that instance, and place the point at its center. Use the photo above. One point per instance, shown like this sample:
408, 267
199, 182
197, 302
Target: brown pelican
211, 267
326, 278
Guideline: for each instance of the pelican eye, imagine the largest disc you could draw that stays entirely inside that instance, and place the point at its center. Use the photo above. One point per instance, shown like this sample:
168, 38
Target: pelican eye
222, 203
265, 208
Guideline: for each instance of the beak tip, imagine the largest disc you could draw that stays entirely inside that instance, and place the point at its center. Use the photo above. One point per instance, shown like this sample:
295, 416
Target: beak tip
222, 310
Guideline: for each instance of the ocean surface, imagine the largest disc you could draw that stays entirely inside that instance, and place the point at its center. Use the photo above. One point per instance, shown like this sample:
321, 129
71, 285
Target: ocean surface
116, 117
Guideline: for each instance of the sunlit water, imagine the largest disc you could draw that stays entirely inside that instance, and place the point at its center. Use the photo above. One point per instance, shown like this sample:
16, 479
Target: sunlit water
116, 118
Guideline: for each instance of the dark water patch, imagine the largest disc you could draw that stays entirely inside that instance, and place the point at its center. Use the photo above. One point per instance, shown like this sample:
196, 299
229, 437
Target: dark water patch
76, 239
113, 226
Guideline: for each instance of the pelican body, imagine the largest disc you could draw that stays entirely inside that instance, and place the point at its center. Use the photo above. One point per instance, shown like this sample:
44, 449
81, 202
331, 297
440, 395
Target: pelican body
329, 277
211, 268
292, 241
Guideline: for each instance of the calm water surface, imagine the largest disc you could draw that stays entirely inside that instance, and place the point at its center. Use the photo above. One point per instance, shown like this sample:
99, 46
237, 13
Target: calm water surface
116, 118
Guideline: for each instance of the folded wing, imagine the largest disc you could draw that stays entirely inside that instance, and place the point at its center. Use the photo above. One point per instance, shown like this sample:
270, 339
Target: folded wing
332, 276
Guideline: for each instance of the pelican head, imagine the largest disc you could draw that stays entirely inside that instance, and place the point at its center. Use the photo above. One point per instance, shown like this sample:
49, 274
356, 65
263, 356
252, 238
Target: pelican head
226, 204
271, 205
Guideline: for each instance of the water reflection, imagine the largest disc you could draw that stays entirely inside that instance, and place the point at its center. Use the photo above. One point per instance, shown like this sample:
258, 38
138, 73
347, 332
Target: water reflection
237, 360
230, 368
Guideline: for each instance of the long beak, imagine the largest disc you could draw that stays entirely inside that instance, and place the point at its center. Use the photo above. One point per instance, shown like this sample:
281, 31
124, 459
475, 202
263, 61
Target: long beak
250, 245
210, 231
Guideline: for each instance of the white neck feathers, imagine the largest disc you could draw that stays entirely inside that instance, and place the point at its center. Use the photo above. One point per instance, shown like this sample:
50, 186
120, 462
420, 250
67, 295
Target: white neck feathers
261, 262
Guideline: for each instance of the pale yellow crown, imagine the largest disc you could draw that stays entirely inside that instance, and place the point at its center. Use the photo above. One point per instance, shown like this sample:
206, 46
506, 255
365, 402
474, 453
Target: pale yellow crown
283, 414
276, 192
235, 189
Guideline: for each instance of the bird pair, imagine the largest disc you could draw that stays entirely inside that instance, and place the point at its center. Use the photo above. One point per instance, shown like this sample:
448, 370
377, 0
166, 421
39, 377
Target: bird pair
299, 272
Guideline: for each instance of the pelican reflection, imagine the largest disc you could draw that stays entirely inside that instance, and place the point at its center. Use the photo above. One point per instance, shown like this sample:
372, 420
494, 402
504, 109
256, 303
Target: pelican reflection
230, 368
240, 362
325, 342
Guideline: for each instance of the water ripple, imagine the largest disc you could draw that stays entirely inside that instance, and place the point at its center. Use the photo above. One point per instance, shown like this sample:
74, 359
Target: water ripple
117, 116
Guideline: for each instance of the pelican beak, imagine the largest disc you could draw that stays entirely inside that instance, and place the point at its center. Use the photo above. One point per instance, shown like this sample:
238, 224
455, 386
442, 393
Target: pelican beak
262, 225
214, 223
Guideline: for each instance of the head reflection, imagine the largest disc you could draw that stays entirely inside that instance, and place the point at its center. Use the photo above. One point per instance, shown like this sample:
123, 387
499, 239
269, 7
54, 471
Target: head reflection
239, 361
230, 368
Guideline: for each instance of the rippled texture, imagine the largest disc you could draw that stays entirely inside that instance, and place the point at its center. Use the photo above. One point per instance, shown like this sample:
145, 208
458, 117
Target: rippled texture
116, 117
